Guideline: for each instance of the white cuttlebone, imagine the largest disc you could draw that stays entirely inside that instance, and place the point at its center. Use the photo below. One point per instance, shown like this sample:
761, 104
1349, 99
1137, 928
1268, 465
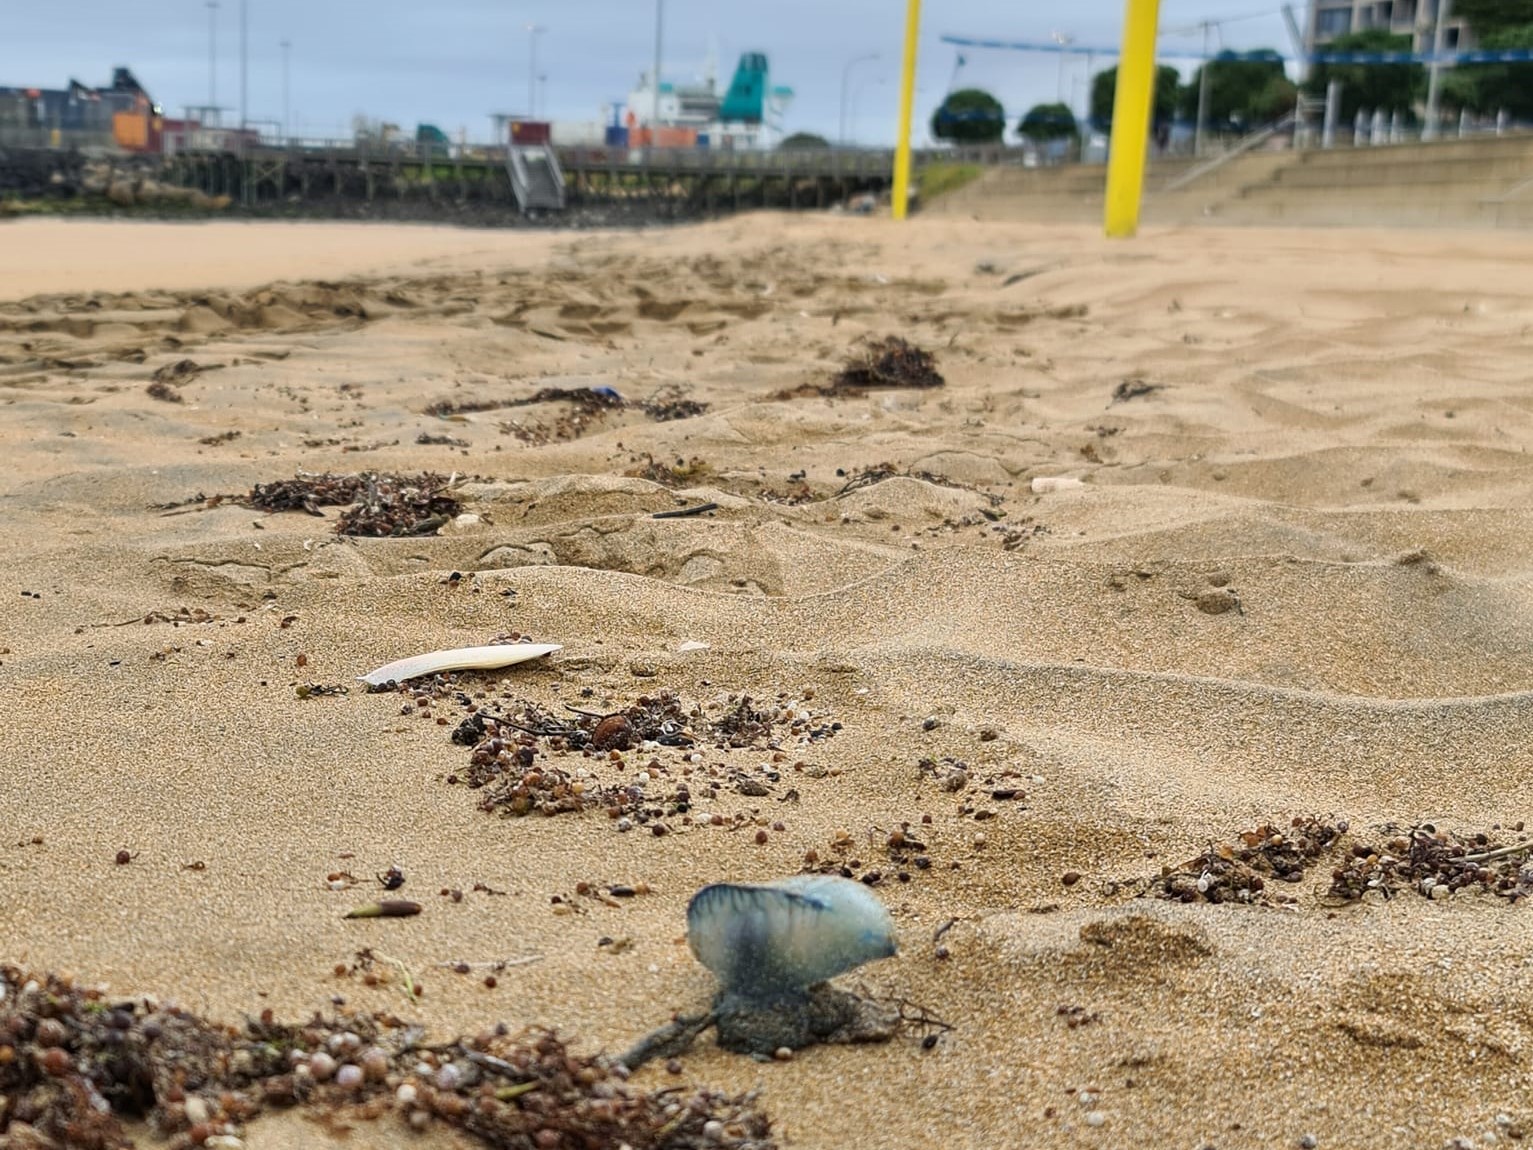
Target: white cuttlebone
779, 938
458, 659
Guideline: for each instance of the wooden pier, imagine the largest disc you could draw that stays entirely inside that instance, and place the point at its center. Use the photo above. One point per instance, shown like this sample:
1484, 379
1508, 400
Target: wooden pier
692, 180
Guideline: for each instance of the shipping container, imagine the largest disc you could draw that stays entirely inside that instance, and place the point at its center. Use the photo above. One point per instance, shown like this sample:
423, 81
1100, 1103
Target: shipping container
131, 130
529, 131
577, 133
617, 137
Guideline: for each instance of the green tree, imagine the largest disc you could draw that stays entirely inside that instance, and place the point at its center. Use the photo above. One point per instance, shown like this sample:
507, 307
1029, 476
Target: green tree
1245, 91
969, 116
1104, 89
803, 141
1488, 88
1390, 87
1492, 17
1045, 122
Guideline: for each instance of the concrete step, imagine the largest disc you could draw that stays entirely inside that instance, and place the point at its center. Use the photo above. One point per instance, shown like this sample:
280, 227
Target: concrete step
1448, 151
1365, 173
1466, 191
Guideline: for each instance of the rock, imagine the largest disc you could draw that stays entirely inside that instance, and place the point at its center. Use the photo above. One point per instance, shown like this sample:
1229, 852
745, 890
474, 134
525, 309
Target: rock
1216, 601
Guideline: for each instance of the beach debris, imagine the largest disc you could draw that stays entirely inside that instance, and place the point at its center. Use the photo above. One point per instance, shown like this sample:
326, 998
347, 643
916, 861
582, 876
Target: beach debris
1436, 864
164, 392
385, 908
889, 362
772, 946
489, 658
180, 371
692, 645
1049, 484
682, 473
686, 512
667, 405
379, 504
321, 690
77, 1066
428, 440
1133, 389
1240, 871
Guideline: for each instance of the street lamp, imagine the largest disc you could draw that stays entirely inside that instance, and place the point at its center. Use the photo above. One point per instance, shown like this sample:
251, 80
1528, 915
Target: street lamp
846, 74
533, 32
244, 60
213, 57
654, 119
1064, 41
287, 48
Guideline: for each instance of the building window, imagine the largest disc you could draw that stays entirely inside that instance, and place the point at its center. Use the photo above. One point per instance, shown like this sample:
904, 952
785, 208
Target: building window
1450, 38
1331, 22
1386, 12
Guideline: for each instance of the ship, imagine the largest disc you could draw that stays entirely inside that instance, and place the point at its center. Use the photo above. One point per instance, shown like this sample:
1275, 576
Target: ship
746, 115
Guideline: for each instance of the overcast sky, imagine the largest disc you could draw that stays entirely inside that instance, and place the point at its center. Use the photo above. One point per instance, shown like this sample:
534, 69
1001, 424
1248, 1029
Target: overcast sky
453, 62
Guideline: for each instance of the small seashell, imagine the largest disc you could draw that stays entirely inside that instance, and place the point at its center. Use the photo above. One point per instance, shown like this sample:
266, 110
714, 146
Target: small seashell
488, 658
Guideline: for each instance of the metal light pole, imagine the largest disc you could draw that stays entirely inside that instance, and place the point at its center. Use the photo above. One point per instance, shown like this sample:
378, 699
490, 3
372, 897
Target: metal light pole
213, 57
533, 32
1434, 75
846, 74
1197, 139
287, 48
244, 61
1064, 41
654, 118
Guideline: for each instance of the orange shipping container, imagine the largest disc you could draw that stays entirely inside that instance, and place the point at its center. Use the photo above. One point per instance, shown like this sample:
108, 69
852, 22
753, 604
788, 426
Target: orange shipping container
131, 131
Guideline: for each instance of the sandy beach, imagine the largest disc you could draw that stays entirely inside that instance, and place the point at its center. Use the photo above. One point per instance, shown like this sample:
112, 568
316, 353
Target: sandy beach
1295, 583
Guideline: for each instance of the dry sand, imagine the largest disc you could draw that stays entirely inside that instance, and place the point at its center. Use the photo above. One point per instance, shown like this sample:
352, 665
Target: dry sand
1329, 405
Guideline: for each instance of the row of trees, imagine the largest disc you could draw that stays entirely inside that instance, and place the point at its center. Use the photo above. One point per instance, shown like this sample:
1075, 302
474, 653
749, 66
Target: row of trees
1244, 93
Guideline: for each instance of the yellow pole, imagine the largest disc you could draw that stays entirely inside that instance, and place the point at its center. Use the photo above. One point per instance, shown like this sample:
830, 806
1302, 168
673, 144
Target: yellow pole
1131, 108
907, 108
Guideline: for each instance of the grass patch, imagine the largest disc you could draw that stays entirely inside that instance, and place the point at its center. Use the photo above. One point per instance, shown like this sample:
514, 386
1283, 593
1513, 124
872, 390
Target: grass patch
935, 180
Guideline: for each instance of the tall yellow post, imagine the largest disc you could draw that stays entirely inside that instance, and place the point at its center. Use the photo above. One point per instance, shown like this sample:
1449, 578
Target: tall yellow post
907, 109
1131, 109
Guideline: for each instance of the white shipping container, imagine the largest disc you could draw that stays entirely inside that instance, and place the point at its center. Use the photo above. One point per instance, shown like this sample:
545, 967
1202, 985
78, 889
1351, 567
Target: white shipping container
578, 133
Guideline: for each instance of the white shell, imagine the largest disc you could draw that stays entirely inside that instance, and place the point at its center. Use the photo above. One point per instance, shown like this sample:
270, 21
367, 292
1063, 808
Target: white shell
780, 938
1048, 484
458, 659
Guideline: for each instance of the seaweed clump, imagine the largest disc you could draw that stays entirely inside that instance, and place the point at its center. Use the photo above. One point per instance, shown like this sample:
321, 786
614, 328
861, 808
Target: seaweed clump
890, 362
378, 504
75, 1064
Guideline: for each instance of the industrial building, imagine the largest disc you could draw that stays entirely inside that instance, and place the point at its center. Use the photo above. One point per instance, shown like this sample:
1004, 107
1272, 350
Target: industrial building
119, 115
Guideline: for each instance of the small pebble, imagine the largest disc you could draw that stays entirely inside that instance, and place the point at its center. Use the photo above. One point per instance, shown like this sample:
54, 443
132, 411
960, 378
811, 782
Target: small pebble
375, 1064
1070, 877
406, 1094
1309, 1141
321, 1066
783, 1054
349, 1077
1095, 1118
713, 1130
